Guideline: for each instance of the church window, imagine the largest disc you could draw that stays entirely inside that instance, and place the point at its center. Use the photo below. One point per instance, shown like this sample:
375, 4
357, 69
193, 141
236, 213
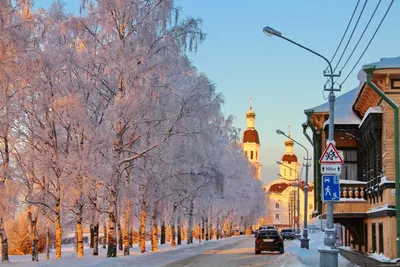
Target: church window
246, 154
251, 154
256, 155
277, 205
277, 216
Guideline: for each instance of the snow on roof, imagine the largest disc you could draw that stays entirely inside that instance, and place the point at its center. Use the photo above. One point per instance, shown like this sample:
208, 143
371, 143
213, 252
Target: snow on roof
344, 113
380, 208
385, 63
342, 181
376, 109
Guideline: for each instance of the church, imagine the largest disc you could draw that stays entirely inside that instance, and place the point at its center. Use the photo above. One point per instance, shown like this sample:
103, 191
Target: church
285, 195
251, 142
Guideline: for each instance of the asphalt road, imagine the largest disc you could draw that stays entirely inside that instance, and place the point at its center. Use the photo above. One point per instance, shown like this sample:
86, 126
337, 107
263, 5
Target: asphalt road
240, 253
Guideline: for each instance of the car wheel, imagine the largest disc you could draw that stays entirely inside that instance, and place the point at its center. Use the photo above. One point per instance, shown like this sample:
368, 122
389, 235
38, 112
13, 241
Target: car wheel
281, 250
258, 251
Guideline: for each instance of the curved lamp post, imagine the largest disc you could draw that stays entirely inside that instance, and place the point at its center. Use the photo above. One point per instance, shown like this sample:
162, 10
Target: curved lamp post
328, 254
304, 239
298, 195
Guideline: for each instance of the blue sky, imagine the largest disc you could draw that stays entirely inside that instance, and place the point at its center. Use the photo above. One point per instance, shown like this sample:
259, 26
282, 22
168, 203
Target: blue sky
282, 78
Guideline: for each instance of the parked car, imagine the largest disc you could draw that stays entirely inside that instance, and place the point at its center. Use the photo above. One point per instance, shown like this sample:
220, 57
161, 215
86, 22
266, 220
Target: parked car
269, 240
288, 233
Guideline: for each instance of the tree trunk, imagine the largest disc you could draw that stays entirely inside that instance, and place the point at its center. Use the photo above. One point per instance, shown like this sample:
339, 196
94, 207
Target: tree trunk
154, 235
58, 229
127, 228
32, 217
76, 241
91, 244
190, 223
200, 233
179, 230
207, 229
162, 238
48, 239
218, 230
203, 233
79, 233
104, 234
112, 246
119, 236
143, 226
96, 238
130, 236
4, 242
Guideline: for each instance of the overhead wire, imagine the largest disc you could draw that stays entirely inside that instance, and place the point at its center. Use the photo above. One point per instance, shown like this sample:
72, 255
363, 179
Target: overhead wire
340, 43
359, 39
345, 32
370, 41
351, 35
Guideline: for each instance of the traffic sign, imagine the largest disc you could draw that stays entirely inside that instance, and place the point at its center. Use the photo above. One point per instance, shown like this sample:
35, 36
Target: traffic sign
331, 155
330, 188
331, 168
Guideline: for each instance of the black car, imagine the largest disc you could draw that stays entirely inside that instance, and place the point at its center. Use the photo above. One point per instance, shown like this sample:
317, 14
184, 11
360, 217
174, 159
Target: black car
288, 233
269, 240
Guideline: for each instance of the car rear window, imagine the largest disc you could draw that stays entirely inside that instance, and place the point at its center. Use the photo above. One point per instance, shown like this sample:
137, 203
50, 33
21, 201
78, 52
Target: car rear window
287, 230
268, 234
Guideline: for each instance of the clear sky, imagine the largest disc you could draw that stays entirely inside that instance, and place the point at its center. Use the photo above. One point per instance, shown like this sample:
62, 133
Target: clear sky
282, 79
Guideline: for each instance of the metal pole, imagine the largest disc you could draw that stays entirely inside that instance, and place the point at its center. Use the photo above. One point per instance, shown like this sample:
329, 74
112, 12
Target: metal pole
304, 240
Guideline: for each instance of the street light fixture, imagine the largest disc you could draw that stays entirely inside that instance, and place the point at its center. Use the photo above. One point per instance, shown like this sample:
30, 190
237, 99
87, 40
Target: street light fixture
298, 196
328, 257
304, 240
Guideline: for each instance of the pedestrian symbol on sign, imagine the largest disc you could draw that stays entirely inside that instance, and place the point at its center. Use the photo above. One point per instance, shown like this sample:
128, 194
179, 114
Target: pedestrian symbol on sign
327, 190
330, 187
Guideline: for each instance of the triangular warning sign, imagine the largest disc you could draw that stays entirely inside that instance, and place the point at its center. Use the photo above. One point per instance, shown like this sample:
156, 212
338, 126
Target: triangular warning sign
331, 156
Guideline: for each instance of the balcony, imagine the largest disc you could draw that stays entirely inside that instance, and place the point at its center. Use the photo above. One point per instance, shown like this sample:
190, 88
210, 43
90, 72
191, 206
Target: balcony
352, 201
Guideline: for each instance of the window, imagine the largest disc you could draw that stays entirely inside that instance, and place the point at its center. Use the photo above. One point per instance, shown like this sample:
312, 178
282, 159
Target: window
381, 238
251, 155
256, 155
395, 83
349, 167
366, 237
310, 206
277, 205
373, 238
246, 154
277, 216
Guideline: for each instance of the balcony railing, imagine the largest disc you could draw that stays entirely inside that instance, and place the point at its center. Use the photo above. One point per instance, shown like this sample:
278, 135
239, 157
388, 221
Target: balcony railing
352, 190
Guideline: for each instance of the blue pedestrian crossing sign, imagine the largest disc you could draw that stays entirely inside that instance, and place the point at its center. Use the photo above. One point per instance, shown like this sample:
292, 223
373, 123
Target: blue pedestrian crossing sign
330, 188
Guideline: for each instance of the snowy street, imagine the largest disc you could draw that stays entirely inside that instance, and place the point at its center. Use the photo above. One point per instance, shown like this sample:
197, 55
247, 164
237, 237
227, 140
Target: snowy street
239, 253
234, 251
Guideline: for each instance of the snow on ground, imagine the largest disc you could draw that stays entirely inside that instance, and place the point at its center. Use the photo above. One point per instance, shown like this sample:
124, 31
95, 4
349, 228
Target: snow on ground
165, 255
311, 257
238, 249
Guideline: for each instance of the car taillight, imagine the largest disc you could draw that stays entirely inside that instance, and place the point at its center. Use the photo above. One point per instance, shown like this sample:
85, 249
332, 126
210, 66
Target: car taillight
279, 240
257, 241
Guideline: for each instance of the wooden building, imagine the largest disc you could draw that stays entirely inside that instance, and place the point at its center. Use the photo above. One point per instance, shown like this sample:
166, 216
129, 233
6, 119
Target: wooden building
364, 132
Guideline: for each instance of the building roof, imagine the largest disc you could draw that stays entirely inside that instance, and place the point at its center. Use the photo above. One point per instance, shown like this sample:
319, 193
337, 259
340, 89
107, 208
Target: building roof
386, 63
250, 113
280, 185
251, 136
344, 113
289, 158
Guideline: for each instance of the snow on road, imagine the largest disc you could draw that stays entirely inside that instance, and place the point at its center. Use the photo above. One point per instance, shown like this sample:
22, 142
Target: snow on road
239, 253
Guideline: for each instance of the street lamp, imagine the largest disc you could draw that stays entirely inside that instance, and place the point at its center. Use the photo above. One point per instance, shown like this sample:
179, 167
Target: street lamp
304, 240
328, 257
298, 196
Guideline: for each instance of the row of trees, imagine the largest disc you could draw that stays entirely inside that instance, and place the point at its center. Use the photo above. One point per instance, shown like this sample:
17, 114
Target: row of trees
104, 119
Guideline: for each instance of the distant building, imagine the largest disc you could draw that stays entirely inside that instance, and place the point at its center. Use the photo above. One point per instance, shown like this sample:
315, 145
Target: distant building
251, 142
282, 193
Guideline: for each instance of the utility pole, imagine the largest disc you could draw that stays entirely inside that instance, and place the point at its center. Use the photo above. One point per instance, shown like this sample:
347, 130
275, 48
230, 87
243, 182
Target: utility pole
328, 254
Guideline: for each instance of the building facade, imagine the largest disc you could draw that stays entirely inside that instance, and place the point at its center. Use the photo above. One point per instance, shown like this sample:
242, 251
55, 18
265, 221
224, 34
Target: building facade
285, 195
365, 133
251, 142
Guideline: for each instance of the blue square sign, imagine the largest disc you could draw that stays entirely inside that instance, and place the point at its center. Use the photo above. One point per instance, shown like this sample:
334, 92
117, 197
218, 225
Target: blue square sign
330, 188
